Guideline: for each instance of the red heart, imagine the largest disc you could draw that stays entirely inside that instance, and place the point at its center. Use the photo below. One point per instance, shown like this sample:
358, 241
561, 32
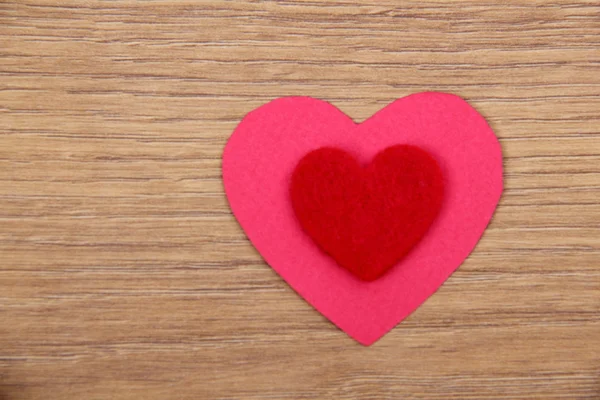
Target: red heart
367, 218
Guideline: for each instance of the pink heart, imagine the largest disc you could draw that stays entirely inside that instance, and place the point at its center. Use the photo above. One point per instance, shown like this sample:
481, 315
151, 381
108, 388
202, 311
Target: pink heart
266, 146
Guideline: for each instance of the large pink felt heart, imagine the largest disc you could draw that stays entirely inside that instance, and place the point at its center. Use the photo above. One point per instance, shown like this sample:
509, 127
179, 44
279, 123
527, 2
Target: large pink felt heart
264, 150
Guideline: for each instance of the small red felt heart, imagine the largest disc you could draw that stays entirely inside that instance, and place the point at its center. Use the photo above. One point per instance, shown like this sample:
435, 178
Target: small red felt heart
367, 217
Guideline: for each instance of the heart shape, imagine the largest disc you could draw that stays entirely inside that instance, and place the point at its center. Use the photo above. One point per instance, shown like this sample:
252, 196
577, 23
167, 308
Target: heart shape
367, 218
260, 157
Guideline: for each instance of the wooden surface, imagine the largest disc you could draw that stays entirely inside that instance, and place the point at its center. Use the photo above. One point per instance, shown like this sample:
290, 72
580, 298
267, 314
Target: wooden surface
123, 274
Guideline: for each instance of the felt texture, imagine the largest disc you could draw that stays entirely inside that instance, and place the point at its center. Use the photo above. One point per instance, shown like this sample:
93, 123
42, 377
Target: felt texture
264, 149
367, 217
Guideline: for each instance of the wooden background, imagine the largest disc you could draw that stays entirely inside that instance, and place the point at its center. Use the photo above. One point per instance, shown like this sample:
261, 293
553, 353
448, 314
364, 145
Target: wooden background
123, 274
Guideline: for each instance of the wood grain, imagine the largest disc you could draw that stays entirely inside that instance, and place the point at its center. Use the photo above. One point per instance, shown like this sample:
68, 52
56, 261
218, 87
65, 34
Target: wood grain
123, 274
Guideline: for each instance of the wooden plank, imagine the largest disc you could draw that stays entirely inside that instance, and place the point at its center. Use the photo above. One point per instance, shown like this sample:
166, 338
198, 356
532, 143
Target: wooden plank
123, 274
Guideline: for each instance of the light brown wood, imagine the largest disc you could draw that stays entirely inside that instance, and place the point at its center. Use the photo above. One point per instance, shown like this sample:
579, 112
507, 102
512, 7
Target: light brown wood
123, 274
